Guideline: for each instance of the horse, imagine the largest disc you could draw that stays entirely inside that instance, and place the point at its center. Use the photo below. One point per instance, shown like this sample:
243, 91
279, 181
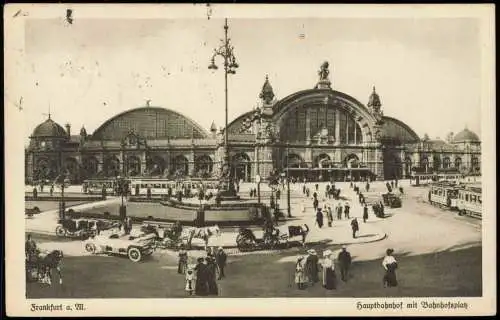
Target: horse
45, 263
200, 233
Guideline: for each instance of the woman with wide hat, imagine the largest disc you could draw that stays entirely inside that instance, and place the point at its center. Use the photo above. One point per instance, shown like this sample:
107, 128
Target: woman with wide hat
390, 265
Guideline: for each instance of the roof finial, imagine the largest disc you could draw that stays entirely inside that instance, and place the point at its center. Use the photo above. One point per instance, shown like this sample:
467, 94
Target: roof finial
148, 103
374, 89
49, 110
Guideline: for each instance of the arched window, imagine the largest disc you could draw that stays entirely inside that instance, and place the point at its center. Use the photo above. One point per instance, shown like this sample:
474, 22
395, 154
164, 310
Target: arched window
90, 166
475, 163
133, 166
203, 165
458, 162
111, 167
293, 161
322, 161
180, 165
446, 163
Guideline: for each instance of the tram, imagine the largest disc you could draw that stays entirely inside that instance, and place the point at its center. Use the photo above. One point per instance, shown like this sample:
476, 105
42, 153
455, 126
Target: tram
95, 186
444, 194
418, 179
469, 200
161, 186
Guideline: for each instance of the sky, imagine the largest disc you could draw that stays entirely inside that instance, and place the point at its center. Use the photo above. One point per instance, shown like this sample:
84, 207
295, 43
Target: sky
427, 71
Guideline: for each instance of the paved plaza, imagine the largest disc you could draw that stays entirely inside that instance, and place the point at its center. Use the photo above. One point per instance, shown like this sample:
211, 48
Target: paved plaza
419, 233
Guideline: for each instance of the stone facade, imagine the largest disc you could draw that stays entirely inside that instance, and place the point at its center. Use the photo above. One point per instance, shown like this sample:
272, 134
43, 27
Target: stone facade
318, 133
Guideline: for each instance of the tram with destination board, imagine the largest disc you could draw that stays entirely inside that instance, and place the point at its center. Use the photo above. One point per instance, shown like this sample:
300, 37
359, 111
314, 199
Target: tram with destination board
444, 194
469, 200
95, 186
161, 186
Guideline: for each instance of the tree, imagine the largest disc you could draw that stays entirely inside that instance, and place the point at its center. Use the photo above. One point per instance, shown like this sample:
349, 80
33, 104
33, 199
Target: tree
426, 137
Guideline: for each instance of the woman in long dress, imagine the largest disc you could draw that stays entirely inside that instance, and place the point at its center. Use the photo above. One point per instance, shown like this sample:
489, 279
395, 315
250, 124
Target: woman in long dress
329, 278
212, 276
390, 265
300, 273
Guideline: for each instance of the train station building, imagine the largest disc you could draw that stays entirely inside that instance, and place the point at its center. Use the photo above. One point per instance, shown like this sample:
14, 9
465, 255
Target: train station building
318, 133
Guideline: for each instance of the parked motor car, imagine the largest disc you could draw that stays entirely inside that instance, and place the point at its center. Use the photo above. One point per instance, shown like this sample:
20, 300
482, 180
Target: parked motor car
135, 247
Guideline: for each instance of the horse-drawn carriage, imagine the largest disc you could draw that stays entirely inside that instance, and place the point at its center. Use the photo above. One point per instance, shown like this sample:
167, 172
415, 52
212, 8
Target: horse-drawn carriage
168, 235
82, 228
391, 200
39, 265
247, 241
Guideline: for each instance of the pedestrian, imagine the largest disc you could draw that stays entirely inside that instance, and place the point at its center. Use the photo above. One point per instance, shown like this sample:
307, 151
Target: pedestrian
351, 185
390, 265
365, 213
303, 206
201, 287
319, 218
355, 227
311, 267
308, 192
344, 259
316, 186
35, 193
212, 270
367, 187
339, 211
329, 216
329, 278
381, 207
190, 280
346, 210
300, 274
304, 188
392, 184
278, 195
315, 204
51, 190
221, 259
183, 259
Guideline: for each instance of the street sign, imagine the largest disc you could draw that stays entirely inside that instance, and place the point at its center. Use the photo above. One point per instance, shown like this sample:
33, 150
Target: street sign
257, 178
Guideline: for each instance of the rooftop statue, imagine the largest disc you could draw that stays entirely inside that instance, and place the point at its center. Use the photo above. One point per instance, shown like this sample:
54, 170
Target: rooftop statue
323, 72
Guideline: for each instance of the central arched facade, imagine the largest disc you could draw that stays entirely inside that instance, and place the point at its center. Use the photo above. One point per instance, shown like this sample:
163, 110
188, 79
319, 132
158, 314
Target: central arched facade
303, 117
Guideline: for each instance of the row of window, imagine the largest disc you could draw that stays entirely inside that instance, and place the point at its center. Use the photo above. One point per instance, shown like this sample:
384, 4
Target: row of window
471, 198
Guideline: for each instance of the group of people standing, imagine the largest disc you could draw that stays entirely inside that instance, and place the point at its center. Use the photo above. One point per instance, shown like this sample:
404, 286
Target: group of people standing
307, 268
339, 209
201, 279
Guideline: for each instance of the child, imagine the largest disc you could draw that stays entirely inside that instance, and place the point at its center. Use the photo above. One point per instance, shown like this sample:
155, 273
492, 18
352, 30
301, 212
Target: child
190, 280
300, 276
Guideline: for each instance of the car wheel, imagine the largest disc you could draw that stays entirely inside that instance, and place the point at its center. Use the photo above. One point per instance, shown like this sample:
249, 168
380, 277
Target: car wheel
60, 232
90, 247
134, 254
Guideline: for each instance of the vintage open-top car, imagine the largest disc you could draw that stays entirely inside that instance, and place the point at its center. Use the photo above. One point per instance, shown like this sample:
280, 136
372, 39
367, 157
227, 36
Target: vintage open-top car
134, 247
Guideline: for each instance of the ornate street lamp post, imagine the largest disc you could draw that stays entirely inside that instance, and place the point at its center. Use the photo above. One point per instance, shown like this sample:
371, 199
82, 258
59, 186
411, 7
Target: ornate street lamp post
122, 189
289, 210
63, 182
226, 51
257, 116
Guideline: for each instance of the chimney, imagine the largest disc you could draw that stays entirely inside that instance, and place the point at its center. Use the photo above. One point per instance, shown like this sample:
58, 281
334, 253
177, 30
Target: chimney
68, 129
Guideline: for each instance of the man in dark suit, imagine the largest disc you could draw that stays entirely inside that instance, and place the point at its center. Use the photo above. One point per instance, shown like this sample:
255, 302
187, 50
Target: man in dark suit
221, 259
345, 260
